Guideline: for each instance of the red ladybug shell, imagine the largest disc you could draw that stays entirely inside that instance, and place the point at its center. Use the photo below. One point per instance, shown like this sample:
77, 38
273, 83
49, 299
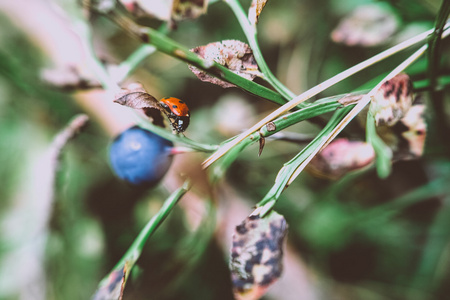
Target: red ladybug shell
176, 106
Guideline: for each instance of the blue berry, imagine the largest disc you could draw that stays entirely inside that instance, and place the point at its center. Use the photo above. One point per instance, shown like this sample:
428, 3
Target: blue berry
140, 157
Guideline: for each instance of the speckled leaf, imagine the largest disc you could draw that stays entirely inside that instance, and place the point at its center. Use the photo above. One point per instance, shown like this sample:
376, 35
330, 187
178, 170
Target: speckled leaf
340, 157
368, 25
255, 10
392, 101
256, 255
235, 55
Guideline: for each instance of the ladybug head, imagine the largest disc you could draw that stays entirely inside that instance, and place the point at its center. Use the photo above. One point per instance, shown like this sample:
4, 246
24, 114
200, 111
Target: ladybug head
180, 124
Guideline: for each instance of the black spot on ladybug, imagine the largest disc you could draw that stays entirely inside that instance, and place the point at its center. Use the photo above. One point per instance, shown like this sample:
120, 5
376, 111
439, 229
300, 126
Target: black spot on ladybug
181, 101
174, 106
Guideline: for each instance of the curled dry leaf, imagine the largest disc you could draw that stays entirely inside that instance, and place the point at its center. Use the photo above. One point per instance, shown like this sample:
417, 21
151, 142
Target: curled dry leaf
340, 157
135, 96
392, 101
256, 255
407, 137
234, 55
368, 25
255, 10
166, 10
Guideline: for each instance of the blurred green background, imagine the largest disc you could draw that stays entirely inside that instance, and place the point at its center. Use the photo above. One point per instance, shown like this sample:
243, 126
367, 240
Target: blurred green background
356, 238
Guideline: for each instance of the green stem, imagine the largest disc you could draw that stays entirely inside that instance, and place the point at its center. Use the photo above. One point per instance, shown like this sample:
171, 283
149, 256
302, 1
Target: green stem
250, 32
177, 138
289, 168
434, 55
319, 107
131, 63
176, 50
136, 247
435, 41
382, 151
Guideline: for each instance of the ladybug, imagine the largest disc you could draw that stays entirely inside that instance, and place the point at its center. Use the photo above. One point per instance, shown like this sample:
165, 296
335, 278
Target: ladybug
177, 112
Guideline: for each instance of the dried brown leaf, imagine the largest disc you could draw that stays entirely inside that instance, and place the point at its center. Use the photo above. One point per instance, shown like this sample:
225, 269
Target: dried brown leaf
234, 55
392, 101
256, 255
135, 96
368, 25
340, 157
255, 10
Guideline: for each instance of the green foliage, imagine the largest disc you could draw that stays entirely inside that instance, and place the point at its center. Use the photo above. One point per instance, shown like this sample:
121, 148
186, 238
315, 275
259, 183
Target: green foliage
380, 232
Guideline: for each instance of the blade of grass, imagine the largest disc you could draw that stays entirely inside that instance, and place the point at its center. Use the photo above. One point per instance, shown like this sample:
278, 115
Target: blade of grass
128, 260
250, 32
435, 41
170, 47
283, 178
319, 107
357, 109
314, 91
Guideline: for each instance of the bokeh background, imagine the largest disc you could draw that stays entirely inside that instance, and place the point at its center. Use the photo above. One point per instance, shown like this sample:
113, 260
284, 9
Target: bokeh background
360, 237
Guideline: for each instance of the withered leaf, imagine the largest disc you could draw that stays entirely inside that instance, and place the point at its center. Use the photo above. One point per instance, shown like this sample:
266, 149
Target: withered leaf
255, 10
407, 137
340, 157
234, 55
368, 25
135, 96
417, 129
392, 101
256, 255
